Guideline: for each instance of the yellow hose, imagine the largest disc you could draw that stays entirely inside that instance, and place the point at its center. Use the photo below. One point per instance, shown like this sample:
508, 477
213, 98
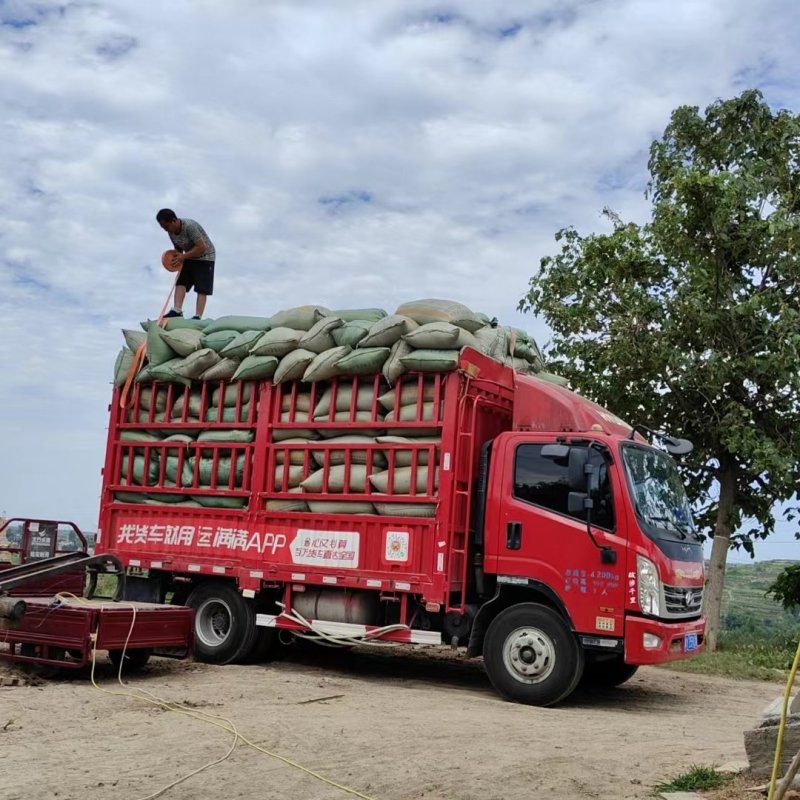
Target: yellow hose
776, 764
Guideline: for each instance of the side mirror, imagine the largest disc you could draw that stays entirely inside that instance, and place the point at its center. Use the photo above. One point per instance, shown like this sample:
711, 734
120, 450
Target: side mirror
555, 451
578, 502
576, 470
677, 447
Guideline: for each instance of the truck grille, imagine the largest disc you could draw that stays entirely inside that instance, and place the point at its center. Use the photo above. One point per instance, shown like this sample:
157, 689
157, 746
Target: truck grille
683, 601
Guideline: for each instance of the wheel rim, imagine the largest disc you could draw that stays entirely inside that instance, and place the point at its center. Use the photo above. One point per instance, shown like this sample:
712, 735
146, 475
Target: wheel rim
529, 655
213, 619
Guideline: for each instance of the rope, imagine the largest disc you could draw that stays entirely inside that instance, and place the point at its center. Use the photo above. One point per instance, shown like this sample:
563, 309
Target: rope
211, 719
139, 355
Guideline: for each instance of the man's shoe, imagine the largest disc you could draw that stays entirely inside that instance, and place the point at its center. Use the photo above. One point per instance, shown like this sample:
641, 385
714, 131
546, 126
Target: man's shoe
195, 317
173, 313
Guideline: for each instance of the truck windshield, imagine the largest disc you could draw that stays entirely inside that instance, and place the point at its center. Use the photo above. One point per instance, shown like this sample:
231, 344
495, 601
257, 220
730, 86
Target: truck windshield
658, 491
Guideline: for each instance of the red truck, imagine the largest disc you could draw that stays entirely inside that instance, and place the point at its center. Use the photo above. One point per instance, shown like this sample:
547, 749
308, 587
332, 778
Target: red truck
480, 508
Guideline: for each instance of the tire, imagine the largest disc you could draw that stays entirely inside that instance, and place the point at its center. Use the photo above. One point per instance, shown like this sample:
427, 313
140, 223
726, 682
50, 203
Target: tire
264, 645
608, 673
133, 660
532, 656
224, 623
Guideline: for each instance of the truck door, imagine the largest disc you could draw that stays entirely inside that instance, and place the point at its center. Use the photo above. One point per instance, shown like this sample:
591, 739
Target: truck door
532, 534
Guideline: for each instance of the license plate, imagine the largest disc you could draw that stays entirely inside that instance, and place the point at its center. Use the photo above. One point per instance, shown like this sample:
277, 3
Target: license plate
690, 642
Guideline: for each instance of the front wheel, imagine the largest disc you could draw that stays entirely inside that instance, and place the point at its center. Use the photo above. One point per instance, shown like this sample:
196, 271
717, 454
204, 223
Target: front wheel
531, 655
224, 623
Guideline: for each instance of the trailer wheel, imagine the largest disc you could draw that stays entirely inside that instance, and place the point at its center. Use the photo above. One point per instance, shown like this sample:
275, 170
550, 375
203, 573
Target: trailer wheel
224, 623
531, 655
608, 673
133, 661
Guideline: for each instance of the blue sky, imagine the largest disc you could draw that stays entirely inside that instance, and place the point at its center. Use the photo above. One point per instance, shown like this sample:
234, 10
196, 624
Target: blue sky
349, 153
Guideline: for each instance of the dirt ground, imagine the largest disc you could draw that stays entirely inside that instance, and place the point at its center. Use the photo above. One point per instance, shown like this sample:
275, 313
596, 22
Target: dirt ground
392, 726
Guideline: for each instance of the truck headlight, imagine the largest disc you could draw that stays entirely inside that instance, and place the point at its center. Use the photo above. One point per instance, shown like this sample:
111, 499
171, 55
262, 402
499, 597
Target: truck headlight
649, 586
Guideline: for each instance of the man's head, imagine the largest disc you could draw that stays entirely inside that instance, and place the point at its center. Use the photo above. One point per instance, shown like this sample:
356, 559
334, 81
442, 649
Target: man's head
168, 220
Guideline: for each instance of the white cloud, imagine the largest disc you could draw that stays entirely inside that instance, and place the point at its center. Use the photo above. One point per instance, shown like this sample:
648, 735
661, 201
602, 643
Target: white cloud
376, 152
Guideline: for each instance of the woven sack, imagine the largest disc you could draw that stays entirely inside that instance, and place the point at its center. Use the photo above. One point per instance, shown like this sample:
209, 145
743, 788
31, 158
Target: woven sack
385, 332
393, 367
352, 332
320, 337
241, 346
293, 366
364, 361
277, 342
430, 360
183, 341
238, 324
256, 368
195, 364
344, 395
303, 318
218, 340
324, 366
401, 481
336, 478
436, 310
224, 370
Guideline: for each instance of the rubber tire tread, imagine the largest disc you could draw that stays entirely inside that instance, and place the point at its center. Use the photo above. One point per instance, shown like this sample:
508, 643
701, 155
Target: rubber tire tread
569, 655
239, 643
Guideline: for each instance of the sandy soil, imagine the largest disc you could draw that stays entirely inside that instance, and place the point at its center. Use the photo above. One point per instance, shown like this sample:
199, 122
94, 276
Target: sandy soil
392, 726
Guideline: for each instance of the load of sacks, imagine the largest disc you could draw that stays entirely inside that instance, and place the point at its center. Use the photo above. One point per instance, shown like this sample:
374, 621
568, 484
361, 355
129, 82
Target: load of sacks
306, 344
312, 343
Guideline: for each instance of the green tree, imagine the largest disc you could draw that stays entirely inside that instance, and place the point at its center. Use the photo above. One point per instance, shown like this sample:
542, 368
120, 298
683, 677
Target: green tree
786, 588
691, 322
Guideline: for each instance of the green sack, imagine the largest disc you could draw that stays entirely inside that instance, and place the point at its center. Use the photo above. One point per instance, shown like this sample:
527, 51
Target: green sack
293, 366
320, 337
436, 310
434, 335
176, 323
233, 435
240, 347
393, 367
171, 477
122, 366
301, 318
134, 339
322, 367
138, 469
218, 340
183, 341
163, 372
130, 497
255, 368
238, 324
365, 314
158, 351
231, 394
385, 332
344, 393
277, 342
195, 364
431, 360
221, 502
222, 371
228, 414
352, 332
364, 361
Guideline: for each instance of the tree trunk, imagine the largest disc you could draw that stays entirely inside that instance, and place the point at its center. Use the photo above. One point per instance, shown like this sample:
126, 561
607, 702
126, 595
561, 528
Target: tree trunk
715, 579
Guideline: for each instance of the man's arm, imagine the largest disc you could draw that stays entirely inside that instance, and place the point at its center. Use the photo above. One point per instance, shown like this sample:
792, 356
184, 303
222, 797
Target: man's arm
198, 249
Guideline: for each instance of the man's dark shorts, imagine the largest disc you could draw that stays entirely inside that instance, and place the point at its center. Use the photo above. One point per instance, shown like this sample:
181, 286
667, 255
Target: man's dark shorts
197, 274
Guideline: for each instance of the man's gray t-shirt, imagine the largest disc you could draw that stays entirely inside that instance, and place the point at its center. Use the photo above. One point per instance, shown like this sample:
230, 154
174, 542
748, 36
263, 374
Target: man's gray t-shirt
191, 233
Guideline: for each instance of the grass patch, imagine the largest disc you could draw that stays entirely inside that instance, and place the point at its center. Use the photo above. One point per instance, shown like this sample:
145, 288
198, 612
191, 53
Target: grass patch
696, 779
765, 657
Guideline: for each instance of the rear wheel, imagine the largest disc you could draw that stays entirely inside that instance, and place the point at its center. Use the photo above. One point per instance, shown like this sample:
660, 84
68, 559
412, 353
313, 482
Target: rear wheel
132, 661
224, 623
531, 655
608, 673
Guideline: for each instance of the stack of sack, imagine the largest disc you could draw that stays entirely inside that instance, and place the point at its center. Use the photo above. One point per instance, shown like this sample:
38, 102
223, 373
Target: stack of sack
312, 343
306, 344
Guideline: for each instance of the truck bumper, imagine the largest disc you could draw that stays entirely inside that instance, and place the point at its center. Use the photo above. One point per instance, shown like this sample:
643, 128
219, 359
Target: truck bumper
653, 642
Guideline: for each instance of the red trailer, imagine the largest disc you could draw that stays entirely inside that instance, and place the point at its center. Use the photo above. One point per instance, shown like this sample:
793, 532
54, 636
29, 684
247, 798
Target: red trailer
479, 508
49, 616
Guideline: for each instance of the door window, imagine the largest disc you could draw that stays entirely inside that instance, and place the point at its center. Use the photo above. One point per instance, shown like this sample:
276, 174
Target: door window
545, 482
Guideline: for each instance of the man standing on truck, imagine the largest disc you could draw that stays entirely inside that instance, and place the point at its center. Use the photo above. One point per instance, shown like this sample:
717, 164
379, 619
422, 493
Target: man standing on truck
196, 256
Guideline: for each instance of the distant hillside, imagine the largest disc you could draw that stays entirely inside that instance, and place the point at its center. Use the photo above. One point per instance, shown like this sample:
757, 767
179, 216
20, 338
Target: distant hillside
744, 597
